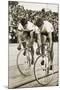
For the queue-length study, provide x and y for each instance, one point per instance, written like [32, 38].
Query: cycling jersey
[29, 26]
[47, 27]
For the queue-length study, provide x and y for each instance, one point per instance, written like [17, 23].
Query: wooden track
[18, 80]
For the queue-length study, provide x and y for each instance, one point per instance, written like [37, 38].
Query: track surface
[17, 80]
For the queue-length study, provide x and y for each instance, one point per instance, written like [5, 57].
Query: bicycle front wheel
[41, 71]
[23, 62]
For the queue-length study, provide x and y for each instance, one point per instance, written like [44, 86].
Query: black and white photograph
[33, 38]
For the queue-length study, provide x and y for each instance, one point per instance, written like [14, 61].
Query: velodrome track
[16, 80]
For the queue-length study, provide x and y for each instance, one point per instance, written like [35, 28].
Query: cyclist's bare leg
[51, 50]
[19, 34]
[32, 49]
[38, 44]
[25, 43]
[32, 53]
[51, 58]
[43, 41]
[19, 40]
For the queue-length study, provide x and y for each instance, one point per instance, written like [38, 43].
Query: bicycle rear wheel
[24, 62]
[41, 72]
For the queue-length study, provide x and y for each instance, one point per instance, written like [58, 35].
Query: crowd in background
[16, 12]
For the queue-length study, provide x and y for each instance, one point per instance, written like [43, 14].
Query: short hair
[39, 22]
[23, 21]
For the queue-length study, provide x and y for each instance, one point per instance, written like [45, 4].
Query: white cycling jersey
[47, 27]
[29, 26]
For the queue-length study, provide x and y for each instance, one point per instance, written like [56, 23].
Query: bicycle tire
[37, 78]
[18, 66]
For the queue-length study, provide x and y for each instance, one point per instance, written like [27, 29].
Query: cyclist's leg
[51, 58]
[51, 50]
[32, 49]
[43, 41]
[25, 37]
[31, 35]
[32, 54]
[19, 39]
[38, 36]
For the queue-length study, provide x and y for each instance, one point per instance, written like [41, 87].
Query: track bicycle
[41, 70]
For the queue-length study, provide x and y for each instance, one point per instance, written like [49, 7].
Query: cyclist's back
[47, 27]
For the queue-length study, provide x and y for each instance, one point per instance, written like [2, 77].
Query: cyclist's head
[23, 21]
[39, 22]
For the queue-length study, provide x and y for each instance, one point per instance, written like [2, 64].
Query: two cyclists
[41, 31]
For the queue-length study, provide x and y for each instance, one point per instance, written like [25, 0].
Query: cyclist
[28, 29]
[46, 30]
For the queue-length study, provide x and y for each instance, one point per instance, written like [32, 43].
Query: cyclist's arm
[39, 38]
[31, 34]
